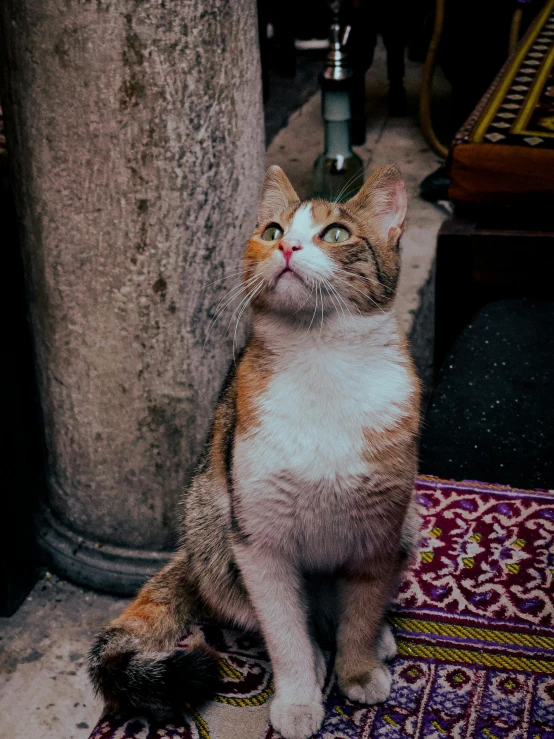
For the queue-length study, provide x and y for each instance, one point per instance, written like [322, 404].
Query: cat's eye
[272, 232]
[335, 234]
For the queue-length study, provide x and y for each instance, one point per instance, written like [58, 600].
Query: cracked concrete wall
[135, 132]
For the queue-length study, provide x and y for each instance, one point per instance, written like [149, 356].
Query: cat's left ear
[277, 194]
[383, 202]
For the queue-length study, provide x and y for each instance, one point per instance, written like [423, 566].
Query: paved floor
[287, 95]
[44, 690]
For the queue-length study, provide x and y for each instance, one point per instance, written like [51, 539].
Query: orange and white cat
[302, 509]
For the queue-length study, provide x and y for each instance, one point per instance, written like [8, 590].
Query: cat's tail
[134, 663]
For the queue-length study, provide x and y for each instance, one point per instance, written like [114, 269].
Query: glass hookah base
[337, 179]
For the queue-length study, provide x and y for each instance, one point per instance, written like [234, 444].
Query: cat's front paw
[386, 644]
[373, 688]
[296, 720]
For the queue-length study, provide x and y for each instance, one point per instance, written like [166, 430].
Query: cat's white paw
[375, 688]
[320, 667]
[296, 720]
[386, 644]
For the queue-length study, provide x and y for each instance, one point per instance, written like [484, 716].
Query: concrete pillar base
[88, 562]
[135, 132]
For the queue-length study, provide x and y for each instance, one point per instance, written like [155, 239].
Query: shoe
[435, 186]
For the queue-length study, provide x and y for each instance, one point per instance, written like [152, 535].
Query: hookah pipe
[337, 67]
[338, 172]
[425, 93]
[426, 122]
[344, 14]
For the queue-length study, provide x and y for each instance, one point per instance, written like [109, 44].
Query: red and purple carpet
[475, 630]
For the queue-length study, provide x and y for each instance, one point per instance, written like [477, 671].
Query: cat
[302, 509]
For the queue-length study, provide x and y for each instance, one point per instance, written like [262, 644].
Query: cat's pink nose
[288, 249]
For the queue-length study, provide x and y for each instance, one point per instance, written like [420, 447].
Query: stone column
[135, 133]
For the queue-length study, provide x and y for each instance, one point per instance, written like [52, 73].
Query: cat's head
[333, 256]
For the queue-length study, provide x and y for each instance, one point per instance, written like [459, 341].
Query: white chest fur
[299, 463]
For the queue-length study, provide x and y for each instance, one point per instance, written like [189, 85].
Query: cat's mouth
[288, 271]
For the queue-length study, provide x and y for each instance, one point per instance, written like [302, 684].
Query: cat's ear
[383, 201]
[277, 194]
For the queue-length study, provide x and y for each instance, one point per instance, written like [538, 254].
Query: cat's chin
[288, 294]
[298, 313]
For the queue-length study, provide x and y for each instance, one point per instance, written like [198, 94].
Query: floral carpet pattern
[474, 621]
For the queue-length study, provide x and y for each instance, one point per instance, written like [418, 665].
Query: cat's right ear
[383, 201]
[277, 194]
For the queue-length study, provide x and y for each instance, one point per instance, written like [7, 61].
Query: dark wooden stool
[490, 415]
[478, 262]
[500, 242]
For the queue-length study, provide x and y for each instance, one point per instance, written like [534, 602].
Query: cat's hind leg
[134, 663]
[363, 596]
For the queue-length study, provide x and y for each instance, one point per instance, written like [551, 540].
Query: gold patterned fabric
[505, 151]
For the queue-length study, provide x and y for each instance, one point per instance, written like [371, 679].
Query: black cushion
[491, 415]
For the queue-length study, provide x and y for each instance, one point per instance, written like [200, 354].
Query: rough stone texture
[136, 135]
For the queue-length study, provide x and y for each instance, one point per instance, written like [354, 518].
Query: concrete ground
[44, 691]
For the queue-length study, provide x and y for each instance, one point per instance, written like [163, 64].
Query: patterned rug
[475, 629]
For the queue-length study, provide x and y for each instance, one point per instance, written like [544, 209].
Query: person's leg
[363, 39]
[392, 27]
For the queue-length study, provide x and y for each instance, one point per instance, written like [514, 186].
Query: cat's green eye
[272, 232]
[336, 234]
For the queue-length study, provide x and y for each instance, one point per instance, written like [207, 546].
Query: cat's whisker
[334, 298]
[352, 191]
[234, 292]
[350, 181]
[343, 271]
[239, 306]
[304, 303]
[315, 308]
[226, 301]
[336, 305]
[347, 306]
[368, 279]
[328, 289]
[250, 299]
[237, 289]
[367, 297]
[222, 279]
[321, 324]
[342, 303]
